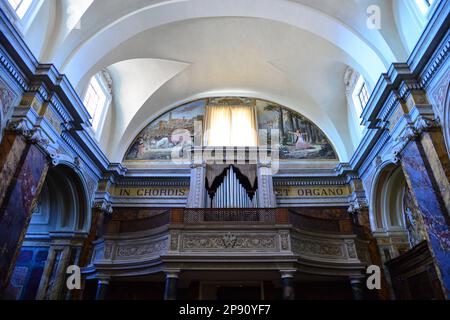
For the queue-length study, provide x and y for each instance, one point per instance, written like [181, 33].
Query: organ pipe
[231, 193]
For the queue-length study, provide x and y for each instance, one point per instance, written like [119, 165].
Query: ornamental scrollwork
[229, 241]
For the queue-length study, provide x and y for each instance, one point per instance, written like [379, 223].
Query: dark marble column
[428, 197]
[287, 279]
[100, 216]
[11, 152]
[16, 209]
[357, 288]
[171, 288]
[102, 289]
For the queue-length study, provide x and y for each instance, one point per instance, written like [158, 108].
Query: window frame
[361, 86]
[22, 23]
[101, 116]
[419, 14]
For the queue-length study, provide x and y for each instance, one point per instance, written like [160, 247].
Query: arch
[294, 14]
[137, 125]
[388, 191]
[63, 206]
[446, 124]
[147, 138]
[410, 22]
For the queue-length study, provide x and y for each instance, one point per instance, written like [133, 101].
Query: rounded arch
[410, 22]
[294, 14]
[138, 130]
[446, 124]
[63, 206]
[387, 199]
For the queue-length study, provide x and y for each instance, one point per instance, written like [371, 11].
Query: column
[357, 285]
[420, 150]
[102, 288]
[12, 149]
[360, 213]
[17, 206]
[170, 291]
[287, 279]
[429, 200]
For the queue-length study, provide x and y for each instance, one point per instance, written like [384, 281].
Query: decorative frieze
[136, 251]
[229, 241]
[324, 249]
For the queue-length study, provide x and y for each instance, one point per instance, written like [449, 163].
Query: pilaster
[266, 191]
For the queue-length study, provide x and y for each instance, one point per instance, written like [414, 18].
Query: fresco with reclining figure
[158, 139]
[299, 137]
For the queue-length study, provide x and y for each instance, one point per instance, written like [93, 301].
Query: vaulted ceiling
[163, 53]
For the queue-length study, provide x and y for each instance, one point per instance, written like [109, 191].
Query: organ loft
[191, 150]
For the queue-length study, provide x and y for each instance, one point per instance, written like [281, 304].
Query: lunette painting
[299, 137]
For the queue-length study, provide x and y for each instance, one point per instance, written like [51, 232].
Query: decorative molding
[136, 251]
[229, 241]
[325, 249]
[357, 205]
[104, 206]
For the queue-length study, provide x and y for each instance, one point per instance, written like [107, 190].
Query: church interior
[225, 150]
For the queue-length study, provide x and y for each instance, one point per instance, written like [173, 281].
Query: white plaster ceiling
[163, 53]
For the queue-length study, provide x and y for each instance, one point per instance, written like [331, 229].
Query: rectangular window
[363, 96]
[20, 6]
[95, 101]
[231, 126]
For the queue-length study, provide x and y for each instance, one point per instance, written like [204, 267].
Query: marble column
[101, 214]
[11, 151]
[54, 275]
[428, 197]
[357, 285]
[16, 210]
[102, 288]
[287, 279]
[360, 212]
[171, 287]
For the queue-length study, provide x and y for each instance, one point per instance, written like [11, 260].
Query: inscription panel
[312, 192]
[153, 192]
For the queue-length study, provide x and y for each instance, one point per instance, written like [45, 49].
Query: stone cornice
[399, 82]
[53, 87]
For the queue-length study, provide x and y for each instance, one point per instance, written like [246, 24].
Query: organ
[231, 193]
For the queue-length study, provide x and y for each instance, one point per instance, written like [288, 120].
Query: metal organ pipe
[232, 194]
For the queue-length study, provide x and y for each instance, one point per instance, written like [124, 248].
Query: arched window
[97, 99]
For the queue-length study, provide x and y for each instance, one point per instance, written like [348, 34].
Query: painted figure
[300, 142]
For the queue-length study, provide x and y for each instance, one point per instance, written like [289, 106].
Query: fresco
[158, 139]
[299, 137]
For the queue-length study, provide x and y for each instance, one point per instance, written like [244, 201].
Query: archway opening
[54, 238]
[395, 215]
